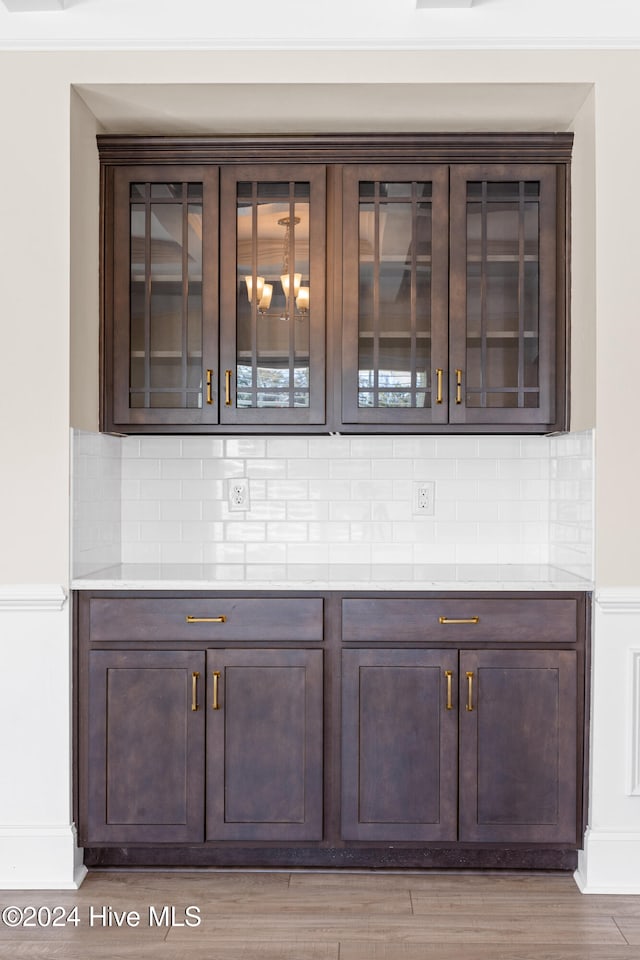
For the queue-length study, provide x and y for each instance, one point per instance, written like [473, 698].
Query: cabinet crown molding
[117, 149]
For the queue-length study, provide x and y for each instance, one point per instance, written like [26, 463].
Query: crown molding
[33, 6]
[329, 44]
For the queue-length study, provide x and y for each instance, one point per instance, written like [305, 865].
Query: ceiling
[323, 24]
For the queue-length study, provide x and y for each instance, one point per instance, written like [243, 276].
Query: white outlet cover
[238, 494]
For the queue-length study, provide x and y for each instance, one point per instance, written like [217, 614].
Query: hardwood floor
[326, 916]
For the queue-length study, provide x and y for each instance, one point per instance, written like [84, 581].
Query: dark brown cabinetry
[518, 738]
[264, 745]
[202, 742]
[331, 729]
[145, 780]
[313, 291]
[492, 733]
[399, 741]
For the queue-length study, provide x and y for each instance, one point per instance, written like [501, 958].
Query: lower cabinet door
[518, 746]
[400, 742]
[145, 747]
[264, 745]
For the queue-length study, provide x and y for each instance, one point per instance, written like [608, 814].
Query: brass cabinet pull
[458, 386]
[449, 675]
[469, 690]
[209, 389]
[439, 373]
[222, 619]
[227, 388]
[216, 680]
[194, 690]
[463, 620]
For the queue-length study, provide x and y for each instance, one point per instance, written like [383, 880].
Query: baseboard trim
[40, 858]
[609, 863]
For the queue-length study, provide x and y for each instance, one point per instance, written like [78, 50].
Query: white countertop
[374, 577]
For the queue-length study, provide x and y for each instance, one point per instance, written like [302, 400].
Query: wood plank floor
[327, 916]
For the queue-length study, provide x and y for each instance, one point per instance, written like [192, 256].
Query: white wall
[35, 297]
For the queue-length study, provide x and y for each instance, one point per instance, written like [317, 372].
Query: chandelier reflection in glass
[264, 290]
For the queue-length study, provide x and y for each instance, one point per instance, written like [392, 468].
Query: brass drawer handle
[449, 675]
[209, 390]
[227, 388]
[470, 690]
[454, 620]
[439, 373]
[216, 680]
[194, 690]
[205, 619]
[458, 386]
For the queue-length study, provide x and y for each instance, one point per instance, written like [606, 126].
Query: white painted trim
[329, 44]
[29, 6]
[40, 858]
[634, 725]
[618, 599]
[441, 4]
[609, 863]
[32, 596]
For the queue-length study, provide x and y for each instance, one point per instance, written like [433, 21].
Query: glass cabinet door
[503, 294]
[395, 294]
[273, 295]
[165, 309]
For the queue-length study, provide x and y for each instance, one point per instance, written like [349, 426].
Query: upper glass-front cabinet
[272, 276]
[165, 295]
[395, 294]
[502, 294]
[409, 283]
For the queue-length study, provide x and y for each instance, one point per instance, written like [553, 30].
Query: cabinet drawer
[505, 620]
[206, 618]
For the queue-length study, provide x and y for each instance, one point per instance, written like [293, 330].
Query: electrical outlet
[424, 498]
[238, 495]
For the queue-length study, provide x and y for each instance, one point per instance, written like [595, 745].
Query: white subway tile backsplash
[308, 553]
[329, 490]
[414, 448]
[308, 469]
[284, 489]
[243, 447]
[434, 469]
[460, 448]
[287, 531]
[308, 510]
[188, 511]
[388, 469]
[266, 553]
[323, 502]
[477, 469]
[475, 510]
[203, 448]
[287, 448]
[350, 510]
[371, 448]
[182, 469]
[179, 552]
[245, 531]
[196, 490]
[329, 447]
[350, 469]
[356, 553]
[160, 447]
[227, 553]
